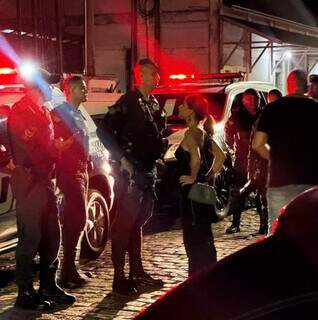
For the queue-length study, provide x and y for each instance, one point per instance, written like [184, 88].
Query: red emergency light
[227, 76]
[7, 71]
[181, 76]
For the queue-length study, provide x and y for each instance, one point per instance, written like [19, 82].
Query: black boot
[121, 285]
[57, 294]
[49, 290]
[263, 227]
[70, 276]
[235, 226]
[137, 274]
[141, 279]
[30, 300]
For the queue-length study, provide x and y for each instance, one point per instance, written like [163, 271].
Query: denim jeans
[278, 197]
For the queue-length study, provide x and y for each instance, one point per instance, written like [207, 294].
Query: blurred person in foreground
[275, 278]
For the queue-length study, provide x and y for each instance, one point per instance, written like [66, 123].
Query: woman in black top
[199, 158]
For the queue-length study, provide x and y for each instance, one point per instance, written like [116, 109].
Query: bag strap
[203, 152]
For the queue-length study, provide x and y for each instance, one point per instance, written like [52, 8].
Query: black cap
[147, 61]
[313, 78]
[49, 77]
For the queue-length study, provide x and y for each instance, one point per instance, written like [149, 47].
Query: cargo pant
[38, 226]
[134, 208]
[74, 186]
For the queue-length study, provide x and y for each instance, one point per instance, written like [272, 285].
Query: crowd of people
[273, 143]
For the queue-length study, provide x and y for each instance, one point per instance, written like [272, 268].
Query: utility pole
[19, 25]
[133, 37]
[214, 46]
[247, 53]
[157, 32]
[89, 38]
[59, 36]
[35, 29]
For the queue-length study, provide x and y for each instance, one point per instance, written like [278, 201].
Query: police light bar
[7, 71]
[226, 76]
[222, 76]
[181, 76]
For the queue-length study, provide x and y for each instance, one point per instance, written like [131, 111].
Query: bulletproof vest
[141, 134]
[32, 150]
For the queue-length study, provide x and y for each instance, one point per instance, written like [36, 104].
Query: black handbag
[202, 193]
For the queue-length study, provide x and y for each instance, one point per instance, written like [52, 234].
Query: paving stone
[164, 257]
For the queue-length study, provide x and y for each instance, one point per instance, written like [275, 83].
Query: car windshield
[171, 102]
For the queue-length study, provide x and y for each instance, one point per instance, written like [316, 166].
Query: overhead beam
[166, 17]
[233, 50]
[260, 55]
[268, 20]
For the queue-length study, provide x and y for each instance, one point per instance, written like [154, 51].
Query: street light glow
[288, 54]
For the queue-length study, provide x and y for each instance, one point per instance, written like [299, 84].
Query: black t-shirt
[291, 124]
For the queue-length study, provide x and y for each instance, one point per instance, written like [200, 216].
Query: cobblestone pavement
[165, 258]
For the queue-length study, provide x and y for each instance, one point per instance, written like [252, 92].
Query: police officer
[33, 149]
[72, 176]
[238, 130]
[131, 131]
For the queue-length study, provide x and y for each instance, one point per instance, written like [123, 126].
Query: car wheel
[222, 187]
[97, 227]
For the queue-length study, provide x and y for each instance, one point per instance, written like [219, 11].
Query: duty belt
[37, 171]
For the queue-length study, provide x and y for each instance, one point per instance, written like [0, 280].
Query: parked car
[100, 195]
[221, 91]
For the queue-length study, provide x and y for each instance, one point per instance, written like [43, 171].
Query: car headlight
[169, 155]
[219, 127]
[107, 167]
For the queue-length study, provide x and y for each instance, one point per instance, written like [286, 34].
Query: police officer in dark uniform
[72, 176]
[238, 130]
[34, 152]
[131, 131]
